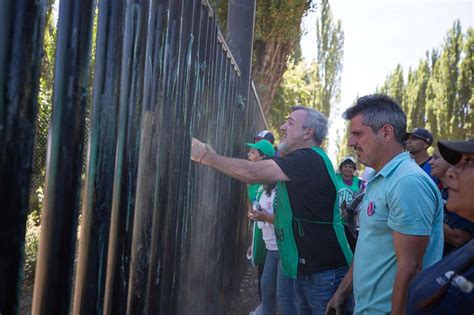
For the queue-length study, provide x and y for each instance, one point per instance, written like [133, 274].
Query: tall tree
[330, 50]
[415, 95]
[444, 84]
[438, 93]
[465, 96]
[276, 37]
[277, 34]
[300, 85]
[394, 86]
[433, 96]
[452, 52]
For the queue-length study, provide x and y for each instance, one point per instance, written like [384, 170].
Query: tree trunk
[270, 65]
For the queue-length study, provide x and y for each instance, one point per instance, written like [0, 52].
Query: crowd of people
[385, 258]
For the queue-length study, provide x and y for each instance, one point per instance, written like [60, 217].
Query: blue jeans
[276, 287]
[313, 291]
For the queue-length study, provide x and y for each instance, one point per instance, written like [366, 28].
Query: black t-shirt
[312, 195]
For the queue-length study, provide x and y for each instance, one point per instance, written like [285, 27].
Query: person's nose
[351, 141]
[452, 172]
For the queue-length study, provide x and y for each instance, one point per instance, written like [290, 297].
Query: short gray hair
[315, 120]
[378, 110]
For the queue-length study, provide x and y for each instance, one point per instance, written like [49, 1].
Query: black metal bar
[61, 204]
[126, 157]
[97, 197]
[21, 45]
[157, 235]
[139, 298]
[240, 25]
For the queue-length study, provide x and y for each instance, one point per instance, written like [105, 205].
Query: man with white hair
[308, 225]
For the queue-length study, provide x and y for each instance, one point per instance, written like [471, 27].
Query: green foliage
[316, 85]
[330, 50]
[31, 249]
[465, 96]
[342, 138]
[274, 20]
[300, 85]
[415, 95]
[438, 93]
[279, 20]
[394, 86]
[44, 113]
[42, 124]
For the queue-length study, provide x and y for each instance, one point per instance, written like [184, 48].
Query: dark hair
[347, 162]
[268, 188]
[378, 110]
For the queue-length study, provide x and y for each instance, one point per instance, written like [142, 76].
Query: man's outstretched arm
[266, 171]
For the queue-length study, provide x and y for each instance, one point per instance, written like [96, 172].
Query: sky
[378, 35]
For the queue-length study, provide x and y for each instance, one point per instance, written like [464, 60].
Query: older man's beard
[283, 146]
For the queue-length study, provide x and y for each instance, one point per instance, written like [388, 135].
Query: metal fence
[157, 234]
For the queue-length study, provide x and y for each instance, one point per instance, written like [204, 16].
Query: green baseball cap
[264, 146]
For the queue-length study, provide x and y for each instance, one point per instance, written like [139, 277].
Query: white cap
[350, 158]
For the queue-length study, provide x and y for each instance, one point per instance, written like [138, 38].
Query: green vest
[346, 193]
[284, 221]
[259, 251]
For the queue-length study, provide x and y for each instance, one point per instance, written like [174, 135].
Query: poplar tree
[330, 51]
[394, 86]
[438, 93]
[450, 73]
[433, 86]
[465, 98]
[300, 85]
[415, 95]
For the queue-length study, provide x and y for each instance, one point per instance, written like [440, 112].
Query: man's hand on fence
[199, 150]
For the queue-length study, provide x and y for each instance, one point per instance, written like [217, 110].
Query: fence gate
[140, 230]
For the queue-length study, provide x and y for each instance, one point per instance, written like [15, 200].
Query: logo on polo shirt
[371, 209]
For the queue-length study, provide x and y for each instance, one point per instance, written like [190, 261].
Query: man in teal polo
[401, 215]
[309, 229]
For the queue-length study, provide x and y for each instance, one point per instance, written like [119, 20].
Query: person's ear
[388, 132]
[309, 132]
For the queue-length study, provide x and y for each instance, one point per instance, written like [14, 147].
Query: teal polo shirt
[402, 198]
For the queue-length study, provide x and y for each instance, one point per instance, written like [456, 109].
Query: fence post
[240, 25]
[92, 258]
[54, 268]
[21, 47]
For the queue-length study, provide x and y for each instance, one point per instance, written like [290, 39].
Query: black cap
[265, 134]
[422, 134]
[452, 151]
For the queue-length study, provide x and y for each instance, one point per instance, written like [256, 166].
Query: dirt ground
[248, 298]
[246, 301]
[26, 300]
